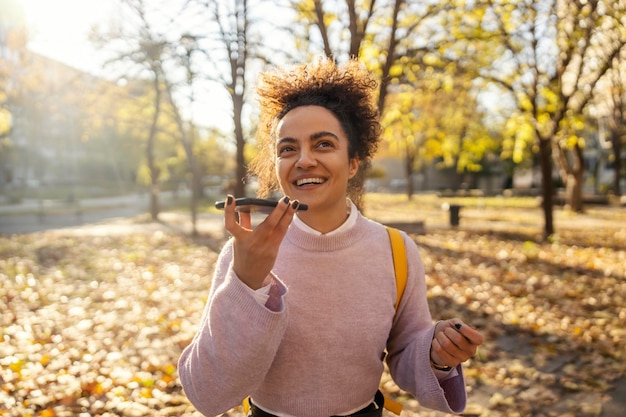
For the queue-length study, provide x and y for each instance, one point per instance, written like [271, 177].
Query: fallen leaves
[94, 325]
[554, 315]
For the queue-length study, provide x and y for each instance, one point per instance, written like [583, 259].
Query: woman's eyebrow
[285, 140]
[314, 136]
[324, 133]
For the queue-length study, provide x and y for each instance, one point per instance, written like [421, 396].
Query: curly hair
[347, 90]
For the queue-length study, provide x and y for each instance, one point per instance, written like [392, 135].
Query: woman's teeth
[306, 181]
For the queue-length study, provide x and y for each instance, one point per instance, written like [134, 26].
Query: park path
[33, 215]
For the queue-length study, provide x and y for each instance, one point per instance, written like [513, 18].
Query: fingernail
[458, 326]
[295, 204]
[229, 200]
[286, 200]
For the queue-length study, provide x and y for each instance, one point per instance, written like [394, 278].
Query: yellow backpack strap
[245, 405]
[399, 262]
[401, 270]
[393, 406]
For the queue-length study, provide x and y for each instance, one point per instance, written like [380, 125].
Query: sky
[59, 29]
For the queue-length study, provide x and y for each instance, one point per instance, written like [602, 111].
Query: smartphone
[255, 205]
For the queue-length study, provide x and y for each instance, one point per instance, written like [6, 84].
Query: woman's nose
[306, 159]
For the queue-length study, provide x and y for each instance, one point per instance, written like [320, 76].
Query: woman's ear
[353, 167]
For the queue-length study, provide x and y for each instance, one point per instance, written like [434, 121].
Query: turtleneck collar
[349, 233]
[353, 213]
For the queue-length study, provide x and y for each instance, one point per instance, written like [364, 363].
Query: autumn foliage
[93, 325]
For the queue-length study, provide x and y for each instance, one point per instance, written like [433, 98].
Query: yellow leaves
[430, 59]
[553, 313]
[573, 140]
[48, 412]
[525, 104]
[519, 135]
[497, 399]
[438, 121]
[551, 100]
[561, 306]
[144, 379]
[90, 342]
[544, 119]
[92, 388]
[396, 70]
[6, 121]
[146, 392]
[448, 84]
[16, 365]
[531, 250]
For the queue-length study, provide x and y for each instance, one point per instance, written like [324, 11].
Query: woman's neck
[325, 221]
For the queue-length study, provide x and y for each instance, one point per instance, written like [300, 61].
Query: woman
[301, 314]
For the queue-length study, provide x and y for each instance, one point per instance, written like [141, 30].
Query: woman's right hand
[255, 250]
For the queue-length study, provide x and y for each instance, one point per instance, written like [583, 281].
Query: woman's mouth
[309, 181]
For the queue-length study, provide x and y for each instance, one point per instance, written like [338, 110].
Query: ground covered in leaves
[93, 324]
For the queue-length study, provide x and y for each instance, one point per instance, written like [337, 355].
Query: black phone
[255, 205]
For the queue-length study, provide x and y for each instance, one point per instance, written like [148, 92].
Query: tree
[147, 50]
[590, 38]
[13, 39]
[616, 103]
[182, 57]
[149, 54]
[6, 122]
[438, 119]
[553, 54]
[187, 129]
[5, 112]
[382, 35]
[113, 151]
[227, 46]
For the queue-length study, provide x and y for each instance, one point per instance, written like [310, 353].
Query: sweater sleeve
[235, 344]
[409, 346]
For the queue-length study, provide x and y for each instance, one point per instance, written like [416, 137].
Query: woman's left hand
[454, 342]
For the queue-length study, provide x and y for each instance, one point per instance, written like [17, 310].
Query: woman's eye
[285, 149]
[324, 144]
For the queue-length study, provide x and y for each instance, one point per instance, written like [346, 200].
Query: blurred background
[122, 121]
[156, 98]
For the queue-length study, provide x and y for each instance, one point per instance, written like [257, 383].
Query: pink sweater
[315, 348]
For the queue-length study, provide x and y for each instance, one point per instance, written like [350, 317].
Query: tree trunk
[616, 144]
[195, 184]
[195, 191]
[409, 174]
[240, 174]
[154, 196]
[187, 139]
[545, 160]
[574, 182]
[196, 181]
[154, 170]
[573, 192]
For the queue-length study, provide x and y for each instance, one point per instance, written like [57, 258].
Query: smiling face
[312, 162]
